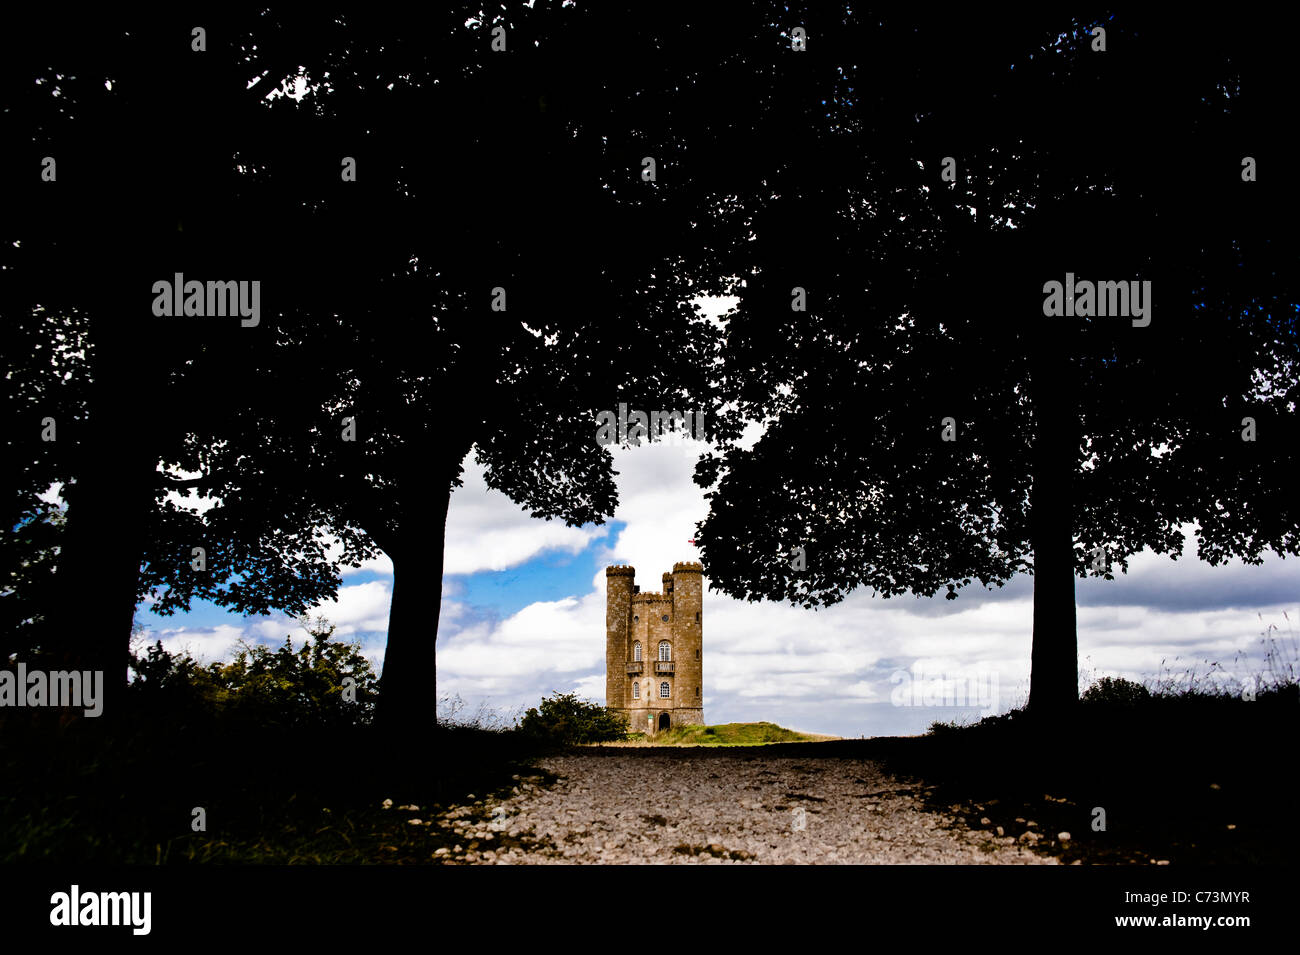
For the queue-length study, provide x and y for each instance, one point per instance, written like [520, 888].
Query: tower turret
[618, 600]
[688, 643]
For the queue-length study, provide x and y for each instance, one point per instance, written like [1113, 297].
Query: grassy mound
[725, 734]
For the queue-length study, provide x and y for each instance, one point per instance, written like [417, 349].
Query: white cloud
[204, 644]
[359, 608]
[488, 531]
[381, 564]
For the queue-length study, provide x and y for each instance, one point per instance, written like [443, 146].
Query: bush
[323, 684]
[1115, 691]
[565, 719]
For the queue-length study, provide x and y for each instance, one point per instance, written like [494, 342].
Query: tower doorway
[663, 721]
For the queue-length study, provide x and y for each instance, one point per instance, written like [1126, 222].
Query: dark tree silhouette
[505, 273]
[133, 395]
[1075, 437]
[477, 170]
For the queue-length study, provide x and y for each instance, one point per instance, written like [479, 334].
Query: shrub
[565, 719]
[322, 684]
[1115, 691]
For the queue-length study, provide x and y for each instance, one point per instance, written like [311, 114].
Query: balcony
[635, 668]
[663, 666]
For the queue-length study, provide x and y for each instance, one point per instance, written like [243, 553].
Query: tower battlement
[650, 597]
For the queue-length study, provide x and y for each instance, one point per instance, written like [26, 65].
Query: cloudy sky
[523, 615]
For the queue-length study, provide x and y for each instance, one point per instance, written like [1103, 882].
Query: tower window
[663, 690]
[697, 654]
[636, 652]
[665, 652]
[697, 616]
[665, 618]
[697, 691]
[636, 691]
[636, 618]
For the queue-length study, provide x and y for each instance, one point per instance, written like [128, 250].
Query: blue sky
[523, 615]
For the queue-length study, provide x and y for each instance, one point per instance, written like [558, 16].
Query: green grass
[724, 734]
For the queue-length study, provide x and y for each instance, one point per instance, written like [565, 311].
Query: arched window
[636, 618]
[636, 691]
[636, 651]
[665, 651]
[663, 690]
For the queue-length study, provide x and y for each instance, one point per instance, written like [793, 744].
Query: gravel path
[627, 807]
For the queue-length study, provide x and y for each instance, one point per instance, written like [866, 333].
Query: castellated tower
[653, 666]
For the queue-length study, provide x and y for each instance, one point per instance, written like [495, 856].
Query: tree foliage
[1074, 437]
[135, 397]
[379, 293]
[324, 684]
[1115, 691]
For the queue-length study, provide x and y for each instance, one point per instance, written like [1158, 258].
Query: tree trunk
[408, 691]
[1054, 677]
[98, 566]
[1055, 663]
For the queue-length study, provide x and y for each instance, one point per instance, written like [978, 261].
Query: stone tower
[653, 666]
